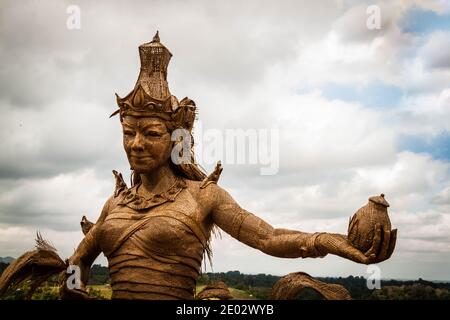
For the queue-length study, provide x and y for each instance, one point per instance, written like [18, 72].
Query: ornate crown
[151, 96]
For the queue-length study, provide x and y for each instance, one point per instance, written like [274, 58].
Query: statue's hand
[65, 293]
[72, 294]
[382, 246]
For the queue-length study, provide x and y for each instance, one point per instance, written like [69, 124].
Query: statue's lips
[141, 158]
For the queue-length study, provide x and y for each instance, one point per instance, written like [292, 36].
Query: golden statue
[155, 233]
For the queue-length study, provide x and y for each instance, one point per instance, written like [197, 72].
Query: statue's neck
[159, 180]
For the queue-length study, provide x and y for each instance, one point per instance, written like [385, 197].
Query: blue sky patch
[374, 95]
[421, 21]
[438, 148]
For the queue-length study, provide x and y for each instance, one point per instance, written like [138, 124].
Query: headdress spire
[156, 37]
[151, 95]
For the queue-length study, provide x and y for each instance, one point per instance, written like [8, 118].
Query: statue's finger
[371, 258]
[382, 255]
[392, 243]
[358, 256]
[376, 241]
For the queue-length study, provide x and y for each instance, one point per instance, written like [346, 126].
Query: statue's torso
[156, 252]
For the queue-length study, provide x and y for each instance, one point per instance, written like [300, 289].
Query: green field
[103, 291]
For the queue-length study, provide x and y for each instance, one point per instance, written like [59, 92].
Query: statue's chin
[140, 170]
[144, 165]
[147, 168]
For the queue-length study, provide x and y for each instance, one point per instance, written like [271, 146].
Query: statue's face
[147, 143]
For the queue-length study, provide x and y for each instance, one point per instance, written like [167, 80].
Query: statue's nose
[137, 143]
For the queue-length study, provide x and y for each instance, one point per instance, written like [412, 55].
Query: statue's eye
[129, 133]
[153, 134]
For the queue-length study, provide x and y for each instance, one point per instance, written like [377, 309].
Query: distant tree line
[3, 266]
[260, 286]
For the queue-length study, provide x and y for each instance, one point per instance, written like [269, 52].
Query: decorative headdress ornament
[151, 96]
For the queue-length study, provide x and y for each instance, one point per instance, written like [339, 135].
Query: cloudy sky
[359, 112]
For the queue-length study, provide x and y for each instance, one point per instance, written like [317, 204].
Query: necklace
[133, 200]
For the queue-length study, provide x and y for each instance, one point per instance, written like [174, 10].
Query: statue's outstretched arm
[255, 232]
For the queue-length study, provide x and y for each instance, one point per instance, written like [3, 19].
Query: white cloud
[427, 115]
[63, 135]
[352, 25]
[435, 51]
[57, 203]
[443, 197]
[321, 133]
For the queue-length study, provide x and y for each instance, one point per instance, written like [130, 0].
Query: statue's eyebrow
[156, 126]
[153, 126]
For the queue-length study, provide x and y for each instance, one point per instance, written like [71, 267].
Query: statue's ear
[189, 117]
[185, 115]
